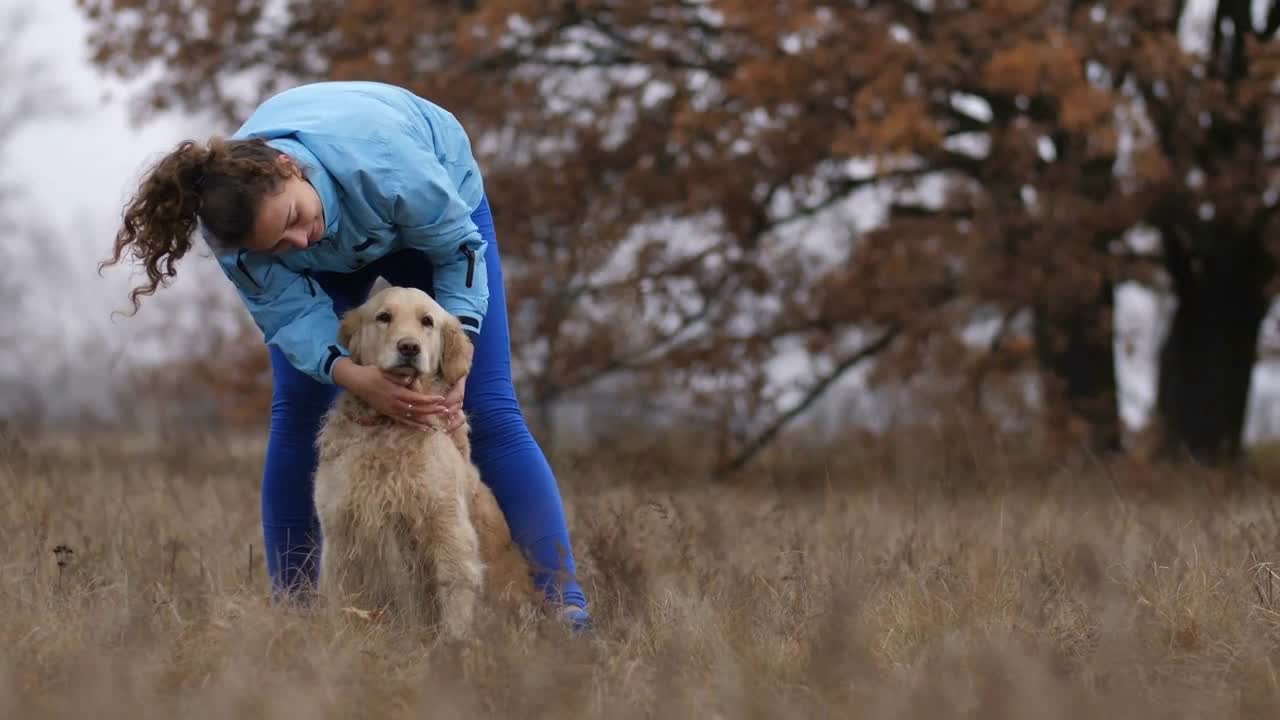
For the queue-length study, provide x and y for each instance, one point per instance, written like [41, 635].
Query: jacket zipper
[310, 285]
[471, 264]
[245, 268]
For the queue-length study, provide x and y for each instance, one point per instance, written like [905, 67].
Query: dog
[404, 517]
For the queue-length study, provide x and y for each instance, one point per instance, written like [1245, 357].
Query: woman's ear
[349, 333]
[455, 351]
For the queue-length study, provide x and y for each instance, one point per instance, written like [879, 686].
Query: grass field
[894, 583]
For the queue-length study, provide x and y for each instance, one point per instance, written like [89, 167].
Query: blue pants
[510, 461]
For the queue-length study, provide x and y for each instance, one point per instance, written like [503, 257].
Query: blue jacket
[394, 172]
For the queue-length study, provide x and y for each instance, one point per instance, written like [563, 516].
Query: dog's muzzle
[408, 355]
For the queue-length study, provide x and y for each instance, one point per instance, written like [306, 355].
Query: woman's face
[290, 219]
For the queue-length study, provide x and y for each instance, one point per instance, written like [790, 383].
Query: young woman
[324, 188]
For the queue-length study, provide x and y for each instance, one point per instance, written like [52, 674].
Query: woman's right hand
[385, 394]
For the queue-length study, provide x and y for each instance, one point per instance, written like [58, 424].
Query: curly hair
[220, 185]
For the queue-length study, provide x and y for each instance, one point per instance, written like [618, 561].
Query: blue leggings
[510, 461]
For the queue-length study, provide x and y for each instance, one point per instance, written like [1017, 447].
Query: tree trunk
[1075, 347]
[1206, 363]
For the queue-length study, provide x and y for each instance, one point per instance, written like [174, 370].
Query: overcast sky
[93, 153]
[77, 171]
[80, 170]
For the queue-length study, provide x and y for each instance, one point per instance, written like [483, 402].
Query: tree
[1212, 119]
[662, 190]
[676, 183]
[1002, 105]
[1065, 85]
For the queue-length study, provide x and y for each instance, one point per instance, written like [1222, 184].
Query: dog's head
[404, 330]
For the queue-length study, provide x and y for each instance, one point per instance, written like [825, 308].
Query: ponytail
[219, 184]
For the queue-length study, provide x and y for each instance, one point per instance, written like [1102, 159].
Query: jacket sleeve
[421, 191]
[293, 312]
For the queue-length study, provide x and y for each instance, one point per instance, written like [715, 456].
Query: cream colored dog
[406, 523]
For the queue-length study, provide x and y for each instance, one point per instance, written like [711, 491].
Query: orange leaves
[767, 21]
[482, 28]
[905, 126]
[766, 80]
[1083, 107]
[1033, 65]
[890, 117]
[1160, 56]
[1015, 70]
[1010, 11]
[1152, 167]
[1259, 86]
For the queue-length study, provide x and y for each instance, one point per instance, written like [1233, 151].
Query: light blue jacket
[393, 171]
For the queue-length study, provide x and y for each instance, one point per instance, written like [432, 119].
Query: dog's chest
[390, 467]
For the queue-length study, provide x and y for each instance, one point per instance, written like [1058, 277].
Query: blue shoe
[577, 618]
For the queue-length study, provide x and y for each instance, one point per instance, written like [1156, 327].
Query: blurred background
[747, 223]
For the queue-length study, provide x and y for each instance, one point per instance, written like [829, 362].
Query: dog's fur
[406, 523]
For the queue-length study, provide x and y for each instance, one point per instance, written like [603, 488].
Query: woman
[325, 187]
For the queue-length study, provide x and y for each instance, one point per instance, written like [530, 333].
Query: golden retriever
[406, 523]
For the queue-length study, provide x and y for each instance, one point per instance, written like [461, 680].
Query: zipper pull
[470, 254]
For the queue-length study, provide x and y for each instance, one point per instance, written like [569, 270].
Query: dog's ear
[349, 332]
[455, 351]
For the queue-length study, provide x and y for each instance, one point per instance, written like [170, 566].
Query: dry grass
[895, 585]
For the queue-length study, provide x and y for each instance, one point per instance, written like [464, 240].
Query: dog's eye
[383, 317]
[428, 321]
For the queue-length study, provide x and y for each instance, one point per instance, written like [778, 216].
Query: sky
[97, 147]
[77, 170]
[80, 170]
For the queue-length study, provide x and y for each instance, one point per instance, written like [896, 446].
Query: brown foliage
[674, 182]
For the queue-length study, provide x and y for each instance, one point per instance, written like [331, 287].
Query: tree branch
[636, 359]
[840, 189]
[623, 55]
[1273, 21]
[1177, 260]
[751, 449]
[900, 210]
[1175, 19]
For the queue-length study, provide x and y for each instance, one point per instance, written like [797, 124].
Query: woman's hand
[386, 393]
[448, 406]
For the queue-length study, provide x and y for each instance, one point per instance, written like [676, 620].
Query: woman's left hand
[451, 401]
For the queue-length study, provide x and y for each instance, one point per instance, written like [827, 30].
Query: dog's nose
[408, 348]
